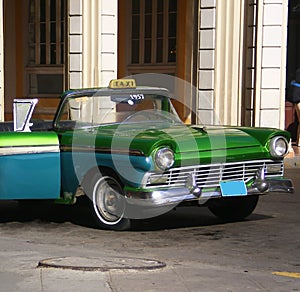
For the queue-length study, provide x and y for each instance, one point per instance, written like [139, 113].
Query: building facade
[233, 52]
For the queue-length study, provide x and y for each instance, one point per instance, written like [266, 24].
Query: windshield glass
[91, 111]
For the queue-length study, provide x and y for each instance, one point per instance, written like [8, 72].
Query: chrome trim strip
[16, 150]
[105, 150]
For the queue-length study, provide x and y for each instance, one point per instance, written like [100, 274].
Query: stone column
[92, 42]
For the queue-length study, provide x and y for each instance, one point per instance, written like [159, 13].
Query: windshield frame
[72, 94]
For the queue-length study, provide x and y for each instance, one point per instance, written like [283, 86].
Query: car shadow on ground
[185, 217]
[79, 214]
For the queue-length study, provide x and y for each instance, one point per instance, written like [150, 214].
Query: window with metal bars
[153, 32]
[46, 34]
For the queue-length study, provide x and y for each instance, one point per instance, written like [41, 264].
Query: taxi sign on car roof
[122, 83]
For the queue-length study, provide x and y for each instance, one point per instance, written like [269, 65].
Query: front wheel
[108, 202]
[234, 208]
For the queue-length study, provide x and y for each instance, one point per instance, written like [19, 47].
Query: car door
[29, 159]
[29, 165]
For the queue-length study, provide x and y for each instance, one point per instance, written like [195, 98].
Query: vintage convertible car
[125, 148]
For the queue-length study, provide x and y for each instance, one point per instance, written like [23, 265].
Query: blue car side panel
[30, 176]
[77, 164]
[69, 180]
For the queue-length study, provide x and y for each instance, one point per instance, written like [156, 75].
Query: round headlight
[164, 158]
[278, 147]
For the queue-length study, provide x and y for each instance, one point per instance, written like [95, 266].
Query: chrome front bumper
[191, 192]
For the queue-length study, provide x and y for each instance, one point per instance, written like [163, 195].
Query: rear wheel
[108, 202]
[234, 208]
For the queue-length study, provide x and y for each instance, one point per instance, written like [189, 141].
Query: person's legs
[297, 107]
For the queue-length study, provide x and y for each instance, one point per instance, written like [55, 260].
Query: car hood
[188, 142]
[194, 141]
[210, 144]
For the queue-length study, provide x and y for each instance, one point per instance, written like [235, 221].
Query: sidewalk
[293, 158]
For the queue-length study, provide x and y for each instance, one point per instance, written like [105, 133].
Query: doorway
[34, 46]
[293, 63]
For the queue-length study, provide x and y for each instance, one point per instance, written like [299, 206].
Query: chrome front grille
[209, 176]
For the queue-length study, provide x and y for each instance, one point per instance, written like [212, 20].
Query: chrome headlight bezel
[278, 147]
[164, 158]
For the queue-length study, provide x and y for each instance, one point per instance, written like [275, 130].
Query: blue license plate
[233, 188]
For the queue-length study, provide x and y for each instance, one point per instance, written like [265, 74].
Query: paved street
[197, 251]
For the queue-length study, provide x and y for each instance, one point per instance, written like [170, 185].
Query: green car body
[128, 152]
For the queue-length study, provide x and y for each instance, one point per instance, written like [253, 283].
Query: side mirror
[23, 109]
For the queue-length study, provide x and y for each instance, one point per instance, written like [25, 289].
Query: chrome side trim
[17, 150]
[104, 150]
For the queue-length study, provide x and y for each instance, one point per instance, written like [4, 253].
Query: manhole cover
[102, 263]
